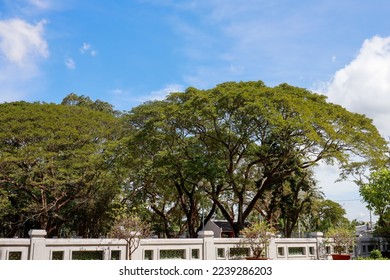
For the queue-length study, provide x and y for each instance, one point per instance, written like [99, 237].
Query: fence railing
[206, 247]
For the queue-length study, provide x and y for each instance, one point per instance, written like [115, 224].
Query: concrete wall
[206, 247]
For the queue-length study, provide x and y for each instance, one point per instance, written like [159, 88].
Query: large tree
[165, 169]
[56, 167]
[244, 139]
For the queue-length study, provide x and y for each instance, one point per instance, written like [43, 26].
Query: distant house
[221, 228]
[364, 230]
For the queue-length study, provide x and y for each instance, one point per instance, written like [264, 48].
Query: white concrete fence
[206, 247]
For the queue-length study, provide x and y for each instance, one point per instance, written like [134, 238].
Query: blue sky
[127, 52]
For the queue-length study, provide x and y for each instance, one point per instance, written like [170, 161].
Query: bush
[342, 238]
[258, 237]
[375, 254]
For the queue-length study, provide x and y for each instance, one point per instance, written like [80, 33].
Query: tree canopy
[237, 151]
[244, 139]
[56, 167]
[73, 99]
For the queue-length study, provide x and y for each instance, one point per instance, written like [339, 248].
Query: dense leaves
[377, 195]
[56, 167]
[245, 139]
[232, 152]
[324, 214]
[73, 99]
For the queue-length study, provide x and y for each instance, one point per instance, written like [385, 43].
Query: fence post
[208, 244]
[272, 249]
[38, 245]
[319, 236]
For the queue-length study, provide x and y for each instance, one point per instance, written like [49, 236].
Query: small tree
[130, 228]
[343, 239]
[258, 237]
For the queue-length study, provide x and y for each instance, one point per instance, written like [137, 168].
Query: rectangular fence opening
[296, 251]
[115, 255]
[15, 256]
[57, 255]
[172, 254]
[239, 253]
[148, 255]
[221, 253]
[195, 254]
[87, 255]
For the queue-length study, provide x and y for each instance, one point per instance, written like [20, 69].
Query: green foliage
[377, 191]
[374, 255]
[72, 168]
[130, 228]
[324, 215]
[258, 236]
[291, 200]
[245, 139]
[342, 238]
[377, 195]
[57, 167]
[73, 99]
[5, 204]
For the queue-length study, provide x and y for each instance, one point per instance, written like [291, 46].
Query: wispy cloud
[41, 4]
[122, 99]
[87, 49]
[161, 94]
[125, 99]
[70, 63]
[32, 8]
[249, 36]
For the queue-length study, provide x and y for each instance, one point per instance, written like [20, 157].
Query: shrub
[375, 254]
[258, 237]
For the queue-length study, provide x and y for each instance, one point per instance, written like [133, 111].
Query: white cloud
[125, 99]
[22, 48]
[117, 91]
[30, 8]
[70, 63]
[22, 42]
[162, 93]
[87, 49]
[363, 86]
[41, 4]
